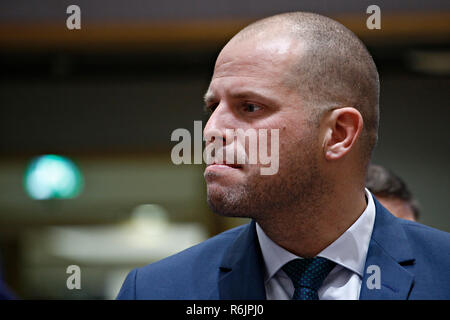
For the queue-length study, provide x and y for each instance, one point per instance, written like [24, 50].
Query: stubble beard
[298, 187]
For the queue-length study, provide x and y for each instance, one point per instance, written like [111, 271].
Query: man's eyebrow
[208, 97]
[244, 94]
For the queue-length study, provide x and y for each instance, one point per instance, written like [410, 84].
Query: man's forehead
[255, 51]
[270, 59]
[252, 69]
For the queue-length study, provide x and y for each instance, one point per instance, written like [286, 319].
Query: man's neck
[307, 231]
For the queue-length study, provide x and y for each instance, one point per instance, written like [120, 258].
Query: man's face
[249, 89]
[398, 207]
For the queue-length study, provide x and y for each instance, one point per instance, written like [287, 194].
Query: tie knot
[308, 273]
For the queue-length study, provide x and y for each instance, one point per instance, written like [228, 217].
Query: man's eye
[250, 107]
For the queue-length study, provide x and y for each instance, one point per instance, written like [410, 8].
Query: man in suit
[316, 232]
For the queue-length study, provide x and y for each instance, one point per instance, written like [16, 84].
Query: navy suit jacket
[414, 262]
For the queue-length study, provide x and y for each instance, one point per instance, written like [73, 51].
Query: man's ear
[344, 126]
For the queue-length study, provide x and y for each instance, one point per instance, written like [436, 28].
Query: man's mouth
[225, 165]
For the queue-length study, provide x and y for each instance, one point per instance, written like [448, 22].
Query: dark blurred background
[108, 97]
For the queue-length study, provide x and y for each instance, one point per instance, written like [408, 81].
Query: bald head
[312, 83]
[332, 68]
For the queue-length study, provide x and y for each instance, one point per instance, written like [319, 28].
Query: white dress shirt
[349, 253]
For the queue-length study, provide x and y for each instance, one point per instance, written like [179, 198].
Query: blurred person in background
[316, 231]
[5, 291]
[392, 192]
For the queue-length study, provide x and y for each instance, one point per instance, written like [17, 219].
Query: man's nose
[220, 120]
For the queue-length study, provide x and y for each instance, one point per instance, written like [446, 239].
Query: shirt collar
[349, 250]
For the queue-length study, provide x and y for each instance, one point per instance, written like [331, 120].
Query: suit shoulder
[189, 274]
[431, 266]
[431, 246]
[423, 232]
[211, 248]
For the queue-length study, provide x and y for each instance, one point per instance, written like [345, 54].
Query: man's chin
[224, 202]
[217, 193]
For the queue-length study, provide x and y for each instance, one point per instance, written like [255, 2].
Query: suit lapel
[241, 271]
[390, 252]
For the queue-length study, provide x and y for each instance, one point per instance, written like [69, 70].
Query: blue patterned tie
[307, 275]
